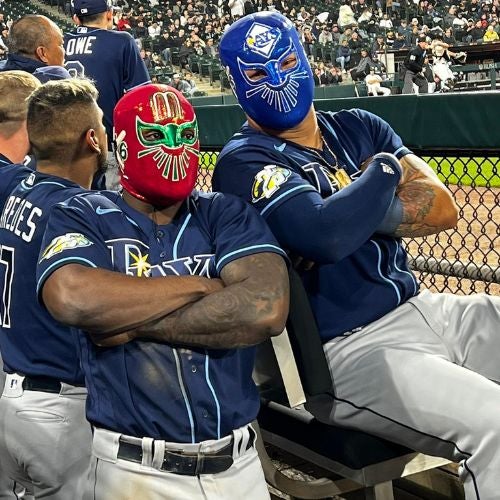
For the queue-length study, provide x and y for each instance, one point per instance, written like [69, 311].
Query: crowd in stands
[342, 40]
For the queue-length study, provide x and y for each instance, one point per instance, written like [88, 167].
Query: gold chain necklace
[341, 176]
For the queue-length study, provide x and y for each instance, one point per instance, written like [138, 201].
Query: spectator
[154, 30]
[180, 84]
[336, 34]
[365, 17]
[334, 75]
[400, 42]
[385, 23]
[210, 49]
[325, 36]
[308, 40]
[490, 34]
[412, 37]
[343, 55]
[460, 22]
[152, 440]
[165, 44]
[449, 37]
[237, 8]
[450, 16]
[403, 27]
[345, 35]
[477, 32]
[123, 23]
[390, 39]
[140, 31]
[185, 52]
[110, 58]
[146, 59]
[379, 46]
[362, 69]
[346, 17]
[355, 44]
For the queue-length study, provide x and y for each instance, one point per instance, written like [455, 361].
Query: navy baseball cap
[91, 7]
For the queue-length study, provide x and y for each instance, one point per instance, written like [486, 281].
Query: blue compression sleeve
[327, 230]
[393, 218]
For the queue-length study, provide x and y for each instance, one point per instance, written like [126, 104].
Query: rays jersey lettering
[20, 216]
[326, 181]
[80, 46]
[133, 256]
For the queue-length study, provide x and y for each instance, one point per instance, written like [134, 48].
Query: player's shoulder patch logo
[67, 241]
[262, 39]
[268, 181]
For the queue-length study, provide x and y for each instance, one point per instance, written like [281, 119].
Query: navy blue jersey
[267, 172]
[4, 160]
[111, 59]
[144, 388]
[31, 341]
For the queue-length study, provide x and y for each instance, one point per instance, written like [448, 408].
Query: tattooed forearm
[417, 199]
[427, 204]
[251, 308]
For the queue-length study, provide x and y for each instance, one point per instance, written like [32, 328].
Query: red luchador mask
[157, 144]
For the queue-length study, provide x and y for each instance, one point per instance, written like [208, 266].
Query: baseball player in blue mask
[341, 189]
[267, 51]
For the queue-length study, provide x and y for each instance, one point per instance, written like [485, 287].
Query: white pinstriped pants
[112, 478]
[426, 376]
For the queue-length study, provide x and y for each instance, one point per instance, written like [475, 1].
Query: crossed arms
[248, 305]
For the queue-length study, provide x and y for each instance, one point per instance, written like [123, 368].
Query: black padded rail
[353, 449]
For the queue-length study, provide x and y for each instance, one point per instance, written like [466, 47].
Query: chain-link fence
[462, 260]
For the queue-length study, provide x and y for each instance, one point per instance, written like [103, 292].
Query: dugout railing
[461, 260]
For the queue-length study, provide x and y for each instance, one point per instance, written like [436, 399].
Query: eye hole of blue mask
[272, 72]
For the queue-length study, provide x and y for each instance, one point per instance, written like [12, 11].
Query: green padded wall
[441, 121]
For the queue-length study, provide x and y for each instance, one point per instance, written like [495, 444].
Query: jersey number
[7, 260]
[75, 69]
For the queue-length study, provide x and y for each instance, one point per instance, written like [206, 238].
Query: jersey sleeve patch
[268, 181]
[68, 241]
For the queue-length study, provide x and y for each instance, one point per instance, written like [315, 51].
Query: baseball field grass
[467, 171]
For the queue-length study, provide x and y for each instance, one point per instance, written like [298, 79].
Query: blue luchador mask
[268, 69]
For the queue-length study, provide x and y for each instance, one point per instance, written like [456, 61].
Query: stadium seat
[361, 460]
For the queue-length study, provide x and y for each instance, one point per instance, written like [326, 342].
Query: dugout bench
[290, 370]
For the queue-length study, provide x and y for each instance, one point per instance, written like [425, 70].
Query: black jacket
[415, 59]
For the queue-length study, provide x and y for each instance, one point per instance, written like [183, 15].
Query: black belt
[186, 464]
[42, 384]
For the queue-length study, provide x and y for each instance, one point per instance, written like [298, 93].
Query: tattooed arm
[252, 307]
[428, 206]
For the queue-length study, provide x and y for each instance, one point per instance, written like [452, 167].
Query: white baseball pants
[426, 376]
[45, 441]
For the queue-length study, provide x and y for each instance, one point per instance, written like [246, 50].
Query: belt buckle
[195, 464]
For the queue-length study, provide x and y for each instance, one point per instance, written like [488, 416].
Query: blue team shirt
[267, 171]
[31, 341]
[111, 59]
[144, 388]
